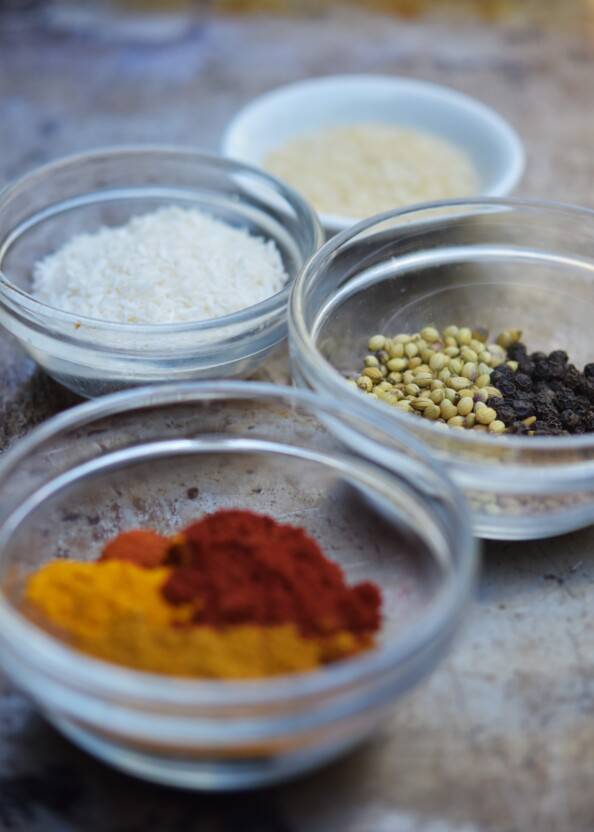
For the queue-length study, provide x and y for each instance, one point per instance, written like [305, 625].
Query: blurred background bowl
[282, 114]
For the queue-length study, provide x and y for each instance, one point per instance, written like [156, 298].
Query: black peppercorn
[506, 414]
[516, 351]
[523, 381]
[508, 388]
[522, 408]
[556, 370]
[572, 376]
[570, 419]
[548, 387]
[519, 428]
[541, 370]
[494, 402]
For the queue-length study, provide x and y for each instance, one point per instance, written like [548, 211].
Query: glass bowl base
[212, 775]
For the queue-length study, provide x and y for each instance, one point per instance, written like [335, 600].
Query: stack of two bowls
[355, 474]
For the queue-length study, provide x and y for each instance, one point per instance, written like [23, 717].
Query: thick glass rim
[299, 334]
[273, 303]
[105, 679]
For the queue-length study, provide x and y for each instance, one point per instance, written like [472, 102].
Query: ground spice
[85, 599]
[363, 168]
[116, 611]
[235, 595]
[143, 547]
[247, 568]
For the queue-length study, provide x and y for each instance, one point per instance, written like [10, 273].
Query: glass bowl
[81, 193]
[493, 263]
[163, 456]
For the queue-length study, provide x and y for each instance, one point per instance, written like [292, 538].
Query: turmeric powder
[128, 607]
[115, 611]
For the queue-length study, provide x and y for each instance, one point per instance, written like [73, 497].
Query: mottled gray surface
[502, 738]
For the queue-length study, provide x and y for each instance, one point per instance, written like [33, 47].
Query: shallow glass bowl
[160, 458]
[107, 187]
[493, 263]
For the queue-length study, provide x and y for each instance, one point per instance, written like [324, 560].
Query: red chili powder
[143, 547]
[245, 568]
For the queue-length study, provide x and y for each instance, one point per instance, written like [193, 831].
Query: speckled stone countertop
[502, 736]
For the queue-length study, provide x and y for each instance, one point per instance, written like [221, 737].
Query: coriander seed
[469, 371]
[421, 403]
[376, 342]
[486, 415]
[373, 373]
[509, 337]
[438, 361]
[448, 409]
[465, 405]
[432, 412]
[430, 334]
[466, 354]
[459, 382]
[464, 335]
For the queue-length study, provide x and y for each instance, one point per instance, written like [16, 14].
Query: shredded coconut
[358, 170]
[174, 264]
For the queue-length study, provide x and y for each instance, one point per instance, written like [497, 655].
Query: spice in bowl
[361, 169]
[456, 377]
[168, 266]
[235, 595]
[544, 395]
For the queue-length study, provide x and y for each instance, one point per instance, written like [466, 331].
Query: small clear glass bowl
[161, 457]
[493, 263]
[81, 193]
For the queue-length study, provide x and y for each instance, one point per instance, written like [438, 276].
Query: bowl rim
[31, 305]
[334, 381]
[55, 656]
[507, 137]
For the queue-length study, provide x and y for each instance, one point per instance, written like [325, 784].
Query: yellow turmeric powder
[116, 611]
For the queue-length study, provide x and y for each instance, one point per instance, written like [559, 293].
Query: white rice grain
[172, 265]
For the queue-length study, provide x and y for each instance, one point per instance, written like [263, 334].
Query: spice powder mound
[234, 595]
